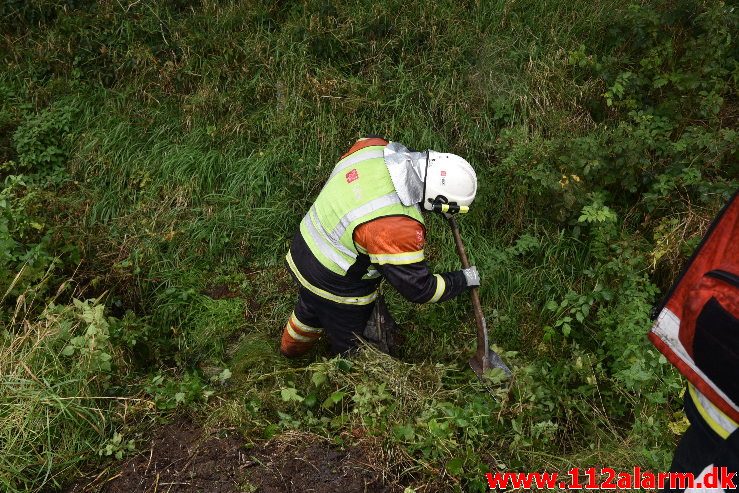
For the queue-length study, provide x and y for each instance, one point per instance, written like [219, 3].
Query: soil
[182, 457]
[302, 463]
[221, 291]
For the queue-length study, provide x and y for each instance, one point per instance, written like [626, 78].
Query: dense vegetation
[156, 158]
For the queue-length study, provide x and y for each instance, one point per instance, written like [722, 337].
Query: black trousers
[341, 322]
[700, 447]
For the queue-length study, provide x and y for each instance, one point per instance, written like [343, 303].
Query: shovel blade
[481, 363]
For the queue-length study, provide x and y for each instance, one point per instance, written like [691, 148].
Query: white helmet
[449, 178]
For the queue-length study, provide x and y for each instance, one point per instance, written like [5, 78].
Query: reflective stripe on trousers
[345, 300]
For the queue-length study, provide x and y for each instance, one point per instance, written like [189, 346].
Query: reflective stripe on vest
[359, 190]
[704, 358]
[718, 421]
[665, 334]
[362, 210]
[327, 247]
[372, 152]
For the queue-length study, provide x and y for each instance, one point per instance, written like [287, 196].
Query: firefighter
[697, 329]
[366, 224]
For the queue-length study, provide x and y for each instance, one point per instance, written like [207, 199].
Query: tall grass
[214, 158]
[55, 413]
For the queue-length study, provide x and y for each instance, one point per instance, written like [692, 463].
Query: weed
[54, 403]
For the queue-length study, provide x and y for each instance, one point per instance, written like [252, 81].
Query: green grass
[54, 411]
[200, 134]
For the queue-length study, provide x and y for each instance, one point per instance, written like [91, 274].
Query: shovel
[484, 358]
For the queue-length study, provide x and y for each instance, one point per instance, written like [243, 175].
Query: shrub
[42, 140]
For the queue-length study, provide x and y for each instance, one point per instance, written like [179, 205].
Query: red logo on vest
[352, 175]
[443, 173]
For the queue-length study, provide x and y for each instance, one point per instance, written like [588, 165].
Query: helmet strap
[441, 204]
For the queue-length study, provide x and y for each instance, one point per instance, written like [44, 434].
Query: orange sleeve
[365, 142]
[394, 245]
[391, 240]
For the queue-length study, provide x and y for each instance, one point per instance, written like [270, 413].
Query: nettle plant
[117, 447]
[42, 141]
[93, 345]
[170, 391]
[573, 310]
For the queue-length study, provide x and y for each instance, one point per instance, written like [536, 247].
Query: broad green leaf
[454, 466]
[404, 432]
[318, 378]
[225, 375]
[310, 400]
[290, 394]
[343, 365]
[333, 399]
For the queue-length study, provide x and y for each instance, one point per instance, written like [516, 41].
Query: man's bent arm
[416, 283]
[395, 246]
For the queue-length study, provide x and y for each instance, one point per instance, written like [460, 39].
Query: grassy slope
[202, 134]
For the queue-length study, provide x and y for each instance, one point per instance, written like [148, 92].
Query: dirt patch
[182, 458]
[303, 463]
[221, 291]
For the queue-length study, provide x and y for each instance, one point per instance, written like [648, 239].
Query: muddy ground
[301, 463]
[182, 457]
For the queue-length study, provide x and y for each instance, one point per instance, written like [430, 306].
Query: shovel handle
[482, 345]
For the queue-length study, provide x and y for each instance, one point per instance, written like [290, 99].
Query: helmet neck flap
[407, 170]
